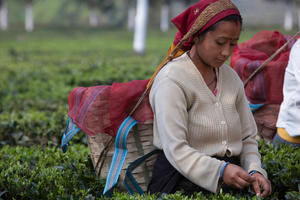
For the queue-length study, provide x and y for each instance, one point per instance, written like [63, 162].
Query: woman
[202, 121]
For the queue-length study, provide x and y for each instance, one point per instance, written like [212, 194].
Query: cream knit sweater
[191, 124]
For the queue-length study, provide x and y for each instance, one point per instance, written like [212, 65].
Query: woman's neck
[206, 71]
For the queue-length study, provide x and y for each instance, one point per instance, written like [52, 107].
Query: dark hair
[229, 18]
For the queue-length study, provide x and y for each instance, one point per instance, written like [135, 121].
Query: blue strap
[130, 183]
[255, 107]
[70, 131]
[253, 172]
[222, 170]
[119, 155]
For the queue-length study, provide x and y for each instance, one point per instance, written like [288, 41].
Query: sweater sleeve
[169, 105]
[250, 157]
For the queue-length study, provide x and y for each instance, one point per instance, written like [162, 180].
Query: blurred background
[119, 13]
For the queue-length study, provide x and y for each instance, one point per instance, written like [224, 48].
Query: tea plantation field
[37, 72]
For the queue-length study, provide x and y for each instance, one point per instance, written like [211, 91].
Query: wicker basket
[139, 143]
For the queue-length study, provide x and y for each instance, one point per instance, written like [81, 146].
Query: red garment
[101, 109]
[266, 86]
[186, 19]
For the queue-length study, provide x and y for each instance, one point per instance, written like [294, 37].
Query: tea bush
[46, 173]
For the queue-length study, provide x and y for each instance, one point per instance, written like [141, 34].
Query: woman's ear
[196, 39]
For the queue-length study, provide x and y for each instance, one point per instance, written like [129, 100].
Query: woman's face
[216, 46]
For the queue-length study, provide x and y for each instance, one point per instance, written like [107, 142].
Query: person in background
[288, 122]
[202, 121]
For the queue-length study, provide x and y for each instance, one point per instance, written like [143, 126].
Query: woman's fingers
[241, 183]
[235, 176]
[256, 188]
[264, 183]
[267, 189]
[247, 177]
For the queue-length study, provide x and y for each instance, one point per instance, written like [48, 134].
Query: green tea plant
[38, 172]
[283, 165]
[47, 173]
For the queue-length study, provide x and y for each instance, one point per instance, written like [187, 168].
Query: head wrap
[199, 17]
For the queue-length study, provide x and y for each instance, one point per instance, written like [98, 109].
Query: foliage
[283, 164]
[46, 173]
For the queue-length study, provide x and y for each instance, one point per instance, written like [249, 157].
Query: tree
[164, 16]
[131, 15]
[141, 20]
[93, 6]
[288, 18]
[93, 17]
[29, 18]
[3, 15]
[298, 7]
[105, 7]
[29, 21]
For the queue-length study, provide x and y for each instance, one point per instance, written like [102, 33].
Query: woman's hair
[230, 18]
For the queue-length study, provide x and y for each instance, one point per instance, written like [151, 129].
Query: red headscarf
[186, 19]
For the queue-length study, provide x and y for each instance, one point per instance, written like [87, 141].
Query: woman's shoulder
[178, 69]
[229, 75]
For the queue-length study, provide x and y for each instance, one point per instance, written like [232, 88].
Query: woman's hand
[236, 177]
[261, 182]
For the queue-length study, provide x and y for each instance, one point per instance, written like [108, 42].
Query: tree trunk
[93, 17]
[131, 17]
[3, 15]
[29, 25]
[288, 19]
[140, 26]
[298, 17]
[164, 17]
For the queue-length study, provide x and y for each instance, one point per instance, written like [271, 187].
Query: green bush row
[46, 173]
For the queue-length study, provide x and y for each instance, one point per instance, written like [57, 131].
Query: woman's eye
[220, 43]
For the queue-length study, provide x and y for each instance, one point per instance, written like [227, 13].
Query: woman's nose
[226, 51]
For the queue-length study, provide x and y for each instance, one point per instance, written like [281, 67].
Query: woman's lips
[220, 60]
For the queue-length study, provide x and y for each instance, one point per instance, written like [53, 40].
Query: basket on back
[100, 112]
[139, 143]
